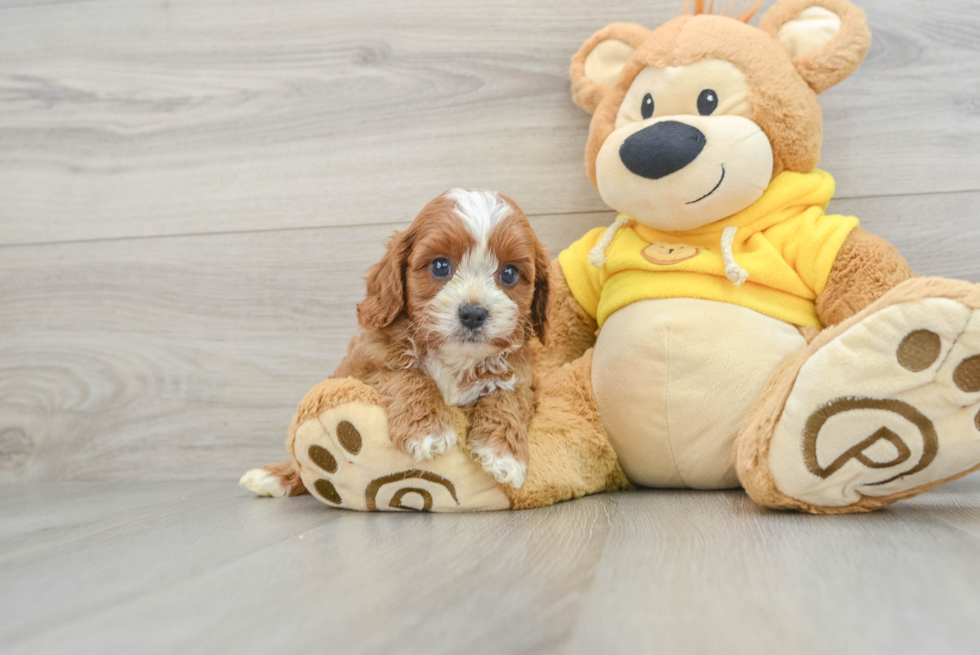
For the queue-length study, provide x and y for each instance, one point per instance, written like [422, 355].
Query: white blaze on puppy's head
[480, 210]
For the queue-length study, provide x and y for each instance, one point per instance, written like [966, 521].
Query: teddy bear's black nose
[661, 149]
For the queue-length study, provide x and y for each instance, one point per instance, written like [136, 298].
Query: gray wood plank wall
[190, 192]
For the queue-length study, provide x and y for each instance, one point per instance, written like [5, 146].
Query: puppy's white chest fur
[464, 380]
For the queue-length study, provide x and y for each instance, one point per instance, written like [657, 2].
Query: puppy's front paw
[504, 467]
[431, 445]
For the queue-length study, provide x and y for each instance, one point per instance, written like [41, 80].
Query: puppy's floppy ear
[539, 303]
[386, 284]
[826, 39]
[600, 60]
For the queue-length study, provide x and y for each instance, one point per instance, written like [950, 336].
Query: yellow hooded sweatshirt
[784, 240]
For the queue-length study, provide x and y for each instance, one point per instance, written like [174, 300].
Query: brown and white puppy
[449, 312]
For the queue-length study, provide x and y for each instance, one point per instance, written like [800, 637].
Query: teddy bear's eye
[707, 102]
[646, 107]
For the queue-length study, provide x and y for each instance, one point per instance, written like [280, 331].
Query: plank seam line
[298, 228]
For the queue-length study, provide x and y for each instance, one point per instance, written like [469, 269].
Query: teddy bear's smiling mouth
[722, 179]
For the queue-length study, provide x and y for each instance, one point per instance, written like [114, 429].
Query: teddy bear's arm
[866, 268]
[571, 331]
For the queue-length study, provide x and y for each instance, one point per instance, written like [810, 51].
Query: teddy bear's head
[692, 120]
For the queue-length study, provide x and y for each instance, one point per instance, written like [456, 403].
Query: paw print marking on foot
[323, 449]
[967, 375]
[888, 405]
[349, 437]
[919, 350]
[859, 451]
[322, 458]
[376, 486]
[347, 460]
[326, 490]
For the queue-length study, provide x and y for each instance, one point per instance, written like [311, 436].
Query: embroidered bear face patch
[666, 254]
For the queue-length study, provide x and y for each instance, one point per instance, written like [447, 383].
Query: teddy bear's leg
[570, 453]
[342, 454]
[341, 450]
[882, 407]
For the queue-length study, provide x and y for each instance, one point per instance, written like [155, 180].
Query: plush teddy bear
[724, 330]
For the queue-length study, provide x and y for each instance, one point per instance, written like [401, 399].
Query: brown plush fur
[783, 105]
[783, 97]
[752, 445]
[571, 330]
[867, 267]
[839, 57]
[703, 7]
[570, 453]
[586, 93]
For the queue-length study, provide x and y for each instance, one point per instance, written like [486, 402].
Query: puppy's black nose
[661, 149]
[472, 316]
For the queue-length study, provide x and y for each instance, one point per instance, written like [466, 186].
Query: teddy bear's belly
[674, 379]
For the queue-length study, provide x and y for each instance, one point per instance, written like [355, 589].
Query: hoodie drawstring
[597, 256]
[733, 271]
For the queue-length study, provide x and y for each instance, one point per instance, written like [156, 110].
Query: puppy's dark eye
[707, 102]
[509, 276]
[646, 107]
[441, 268]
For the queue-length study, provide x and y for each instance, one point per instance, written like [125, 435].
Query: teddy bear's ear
[827, 39]
[598, 63]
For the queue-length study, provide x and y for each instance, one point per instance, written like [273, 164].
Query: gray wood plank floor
[650, 571]
[189, 193]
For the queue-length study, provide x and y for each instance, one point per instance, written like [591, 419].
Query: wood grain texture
[149, 118]
[201, 567]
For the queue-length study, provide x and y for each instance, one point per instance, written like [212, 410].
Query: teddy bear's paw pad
[328, 449]
[891, 404]
[347, 460]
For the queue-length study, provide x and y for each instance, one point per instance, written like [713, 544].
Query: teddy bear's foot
[342, 451]
[880, 408]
